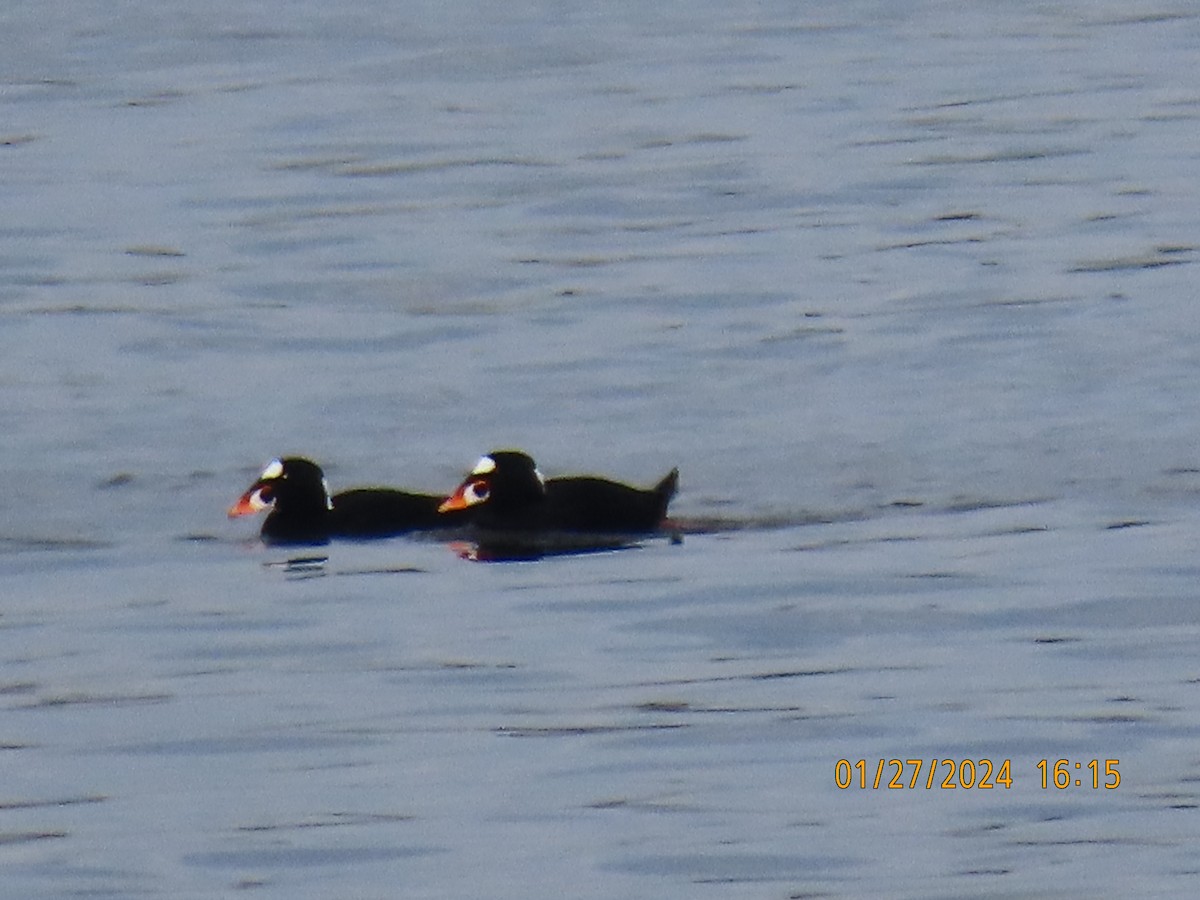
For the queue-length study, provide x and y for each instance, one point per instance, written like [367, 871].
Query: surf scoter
[505, 492]
[303, 512]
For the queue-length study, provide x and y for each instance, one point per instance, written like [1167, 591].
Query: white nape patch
[541, 478]
[257, 503]
[273, 470]
[485, 466]
[328, 499]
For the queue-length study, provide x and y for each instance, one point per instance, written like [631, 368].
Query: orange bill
[248, 504]
[457, 500]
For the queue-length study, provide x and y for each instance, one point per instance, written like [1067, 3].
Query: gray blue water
[906, 290]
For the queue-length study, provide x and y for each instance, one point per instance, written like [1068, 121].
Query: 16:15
[1064, 773]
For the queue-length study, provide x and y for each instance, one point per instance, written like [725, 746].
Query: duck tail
[666, 489]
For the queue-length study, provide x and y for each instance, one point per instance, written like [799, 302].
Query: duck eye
[259, 498]
[478, 491]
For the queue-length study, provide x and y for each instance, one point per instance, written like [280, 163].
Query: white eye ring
[273, 470]
[485, 466]
[257, 503]
[476, 492]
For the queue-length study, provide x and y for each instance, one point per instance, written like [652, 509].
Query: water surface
[905, 290]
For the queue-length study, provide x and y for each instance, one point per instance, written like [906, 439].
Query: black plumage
[302, 511]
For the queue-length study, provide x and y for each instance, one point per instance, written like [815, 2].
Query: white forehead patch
[273, 470]
[485, 466]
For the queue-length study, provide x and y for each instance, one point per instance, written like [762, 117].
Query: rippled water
[905, 291]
